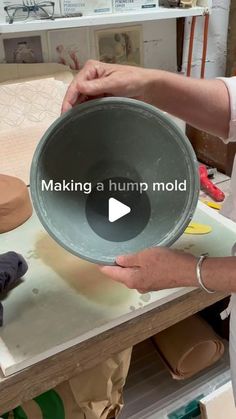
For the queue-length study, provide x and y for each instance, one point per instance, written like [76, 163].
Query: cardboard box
[86, 7]
[12, 73]
[134, 5]
[219, 404]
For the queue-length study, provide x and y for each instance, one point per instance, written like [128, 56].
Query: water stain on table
[145, 297]
[35, 291]
[84, 277]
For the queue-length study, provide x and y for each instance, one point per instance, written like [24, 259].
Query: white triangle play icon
[117, 210]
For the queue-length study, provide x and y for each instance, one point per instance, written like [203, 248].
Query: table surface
[38, 378]
[64, 300]
[85, 311]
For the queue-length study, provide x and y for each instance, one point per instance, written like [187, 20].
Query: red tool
[209, 187]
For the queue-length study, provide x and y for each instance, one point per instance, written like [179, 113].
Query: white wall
[159, 42]
[217, 41]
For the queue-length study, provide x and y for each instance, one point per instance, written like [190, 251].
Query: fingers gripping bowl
[118, 152]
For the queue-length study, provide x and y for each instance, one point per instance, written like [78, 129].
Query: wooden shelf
[103, 19]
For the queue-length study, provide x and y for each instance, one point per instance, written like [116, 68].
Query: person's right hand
[97, 79]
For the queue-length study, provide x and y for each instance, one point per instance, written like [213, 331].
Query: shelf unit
[104, 19]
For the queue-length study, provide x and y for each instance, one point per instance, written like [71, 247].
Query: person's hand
[97, 79]
[154, 269]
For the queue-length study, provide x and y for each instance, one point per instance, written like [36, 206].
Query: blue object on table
[12, 267]
[189, 411]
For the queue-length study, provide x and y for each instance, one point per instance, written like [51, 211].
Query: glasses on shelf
[41, 10]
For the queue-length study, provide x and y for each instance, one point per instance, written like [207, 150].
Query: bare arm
[201, 103]
[159, 268]
[220, 273]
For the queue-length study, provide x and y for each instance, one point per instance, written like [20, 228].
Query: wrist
[185, 270]
[153, 85]
[199, 274]
[207, 269]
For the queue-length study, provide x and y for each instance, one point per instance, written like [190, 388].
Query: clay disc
[195, 228]
[212, 204]
[15, 204]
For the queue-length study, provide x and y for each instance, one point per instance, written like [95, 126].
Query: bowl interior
[122, 141]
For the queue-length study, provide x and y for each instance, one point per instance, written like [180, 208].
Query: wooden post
[231, 47]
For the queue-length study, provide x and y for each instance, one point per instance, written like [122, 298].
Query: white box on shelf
[205, 3]
[85, 7]
[101, 18]
[4, 3]
[21, 15]
[134, 5]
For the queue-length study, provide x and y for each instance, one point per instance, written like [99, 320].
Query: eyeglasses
[42, 10]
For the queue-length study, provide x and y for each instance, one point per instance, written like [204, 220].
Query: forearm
[203, 104]
[218, 274]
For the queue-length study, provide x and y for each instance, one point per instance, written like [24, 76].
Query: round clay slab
[15, 204]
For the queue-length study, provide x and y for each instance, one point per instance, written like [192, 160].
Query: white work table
[66, 316]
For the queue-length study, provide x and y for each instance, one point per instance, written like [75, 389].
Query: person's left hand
[154, 269]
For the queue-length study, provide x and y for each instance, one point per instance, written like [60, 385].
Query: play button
[117, 210]
[117, 215]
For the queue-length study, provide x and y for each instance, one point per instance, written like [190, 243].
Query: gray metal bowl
[114, 138]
